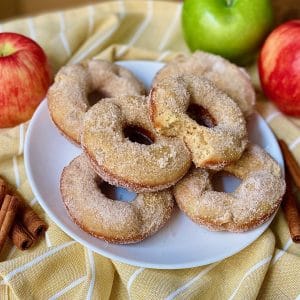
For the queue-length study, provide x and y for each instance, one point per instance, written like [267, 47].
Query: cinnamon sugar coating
[212, 147]
[68, 96]
[112, 220]
[126, 163]
[229, 78]
[251, 204]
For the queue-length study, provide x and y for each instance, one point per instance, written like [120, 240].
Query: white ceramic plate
[180, 244]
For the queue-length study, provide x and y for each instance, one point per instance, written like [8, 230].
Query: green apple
[231, 28]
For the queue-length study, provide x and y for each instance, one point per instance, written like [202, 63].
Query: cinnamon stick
[290, 209]
[7, 216]
[3, 190]
[29, 226]
[291, 162]
[20, 236]
[32, 222]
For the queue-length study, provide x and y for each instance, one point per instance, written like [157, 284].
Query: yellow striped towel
[58, 267]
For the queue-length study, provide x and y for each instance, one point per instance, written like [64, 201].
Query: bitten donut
[177, 107]
[125, 150]
[251, 204]
[77, 87]
[112, 220]
[229, 78]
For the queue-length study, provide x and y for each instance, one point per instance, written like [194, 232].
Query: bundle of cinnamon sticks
[289, 204]
[18, 220]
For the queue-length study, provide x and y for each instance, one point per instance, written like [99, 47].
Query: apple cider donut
[112, 220]
[251, 204]
[176, 108]
[125, 150]
[77, 87]
[229, 78]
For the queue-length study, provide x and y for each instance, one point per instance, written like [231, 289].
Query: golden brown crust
[68, 96]
[210, 147]
[112, 220]
[114, 179]
[216, 226]
[251, 204]
[229, 78]
[129, 164]
[62, 133]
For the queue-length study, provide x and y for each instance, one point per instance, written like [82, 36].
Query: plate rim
[101, 251]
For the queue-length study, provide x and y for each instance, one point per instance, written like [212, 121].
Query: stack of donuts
[166, 147]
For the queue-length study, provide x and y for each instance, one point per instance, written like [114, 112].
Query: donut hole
[201, 115]
[225, 182]
[138, 135]
[95, 96]
[115, 193]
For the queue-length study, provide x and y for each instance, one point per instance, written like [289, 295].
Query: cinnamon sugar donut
[79, 86]
[251, 204]
[111, 138]
[112, 220]
[176, 106]
[229, 78]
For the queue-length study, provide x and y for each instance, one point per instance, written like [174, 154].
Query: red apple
[279, 67]
[24, 78]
